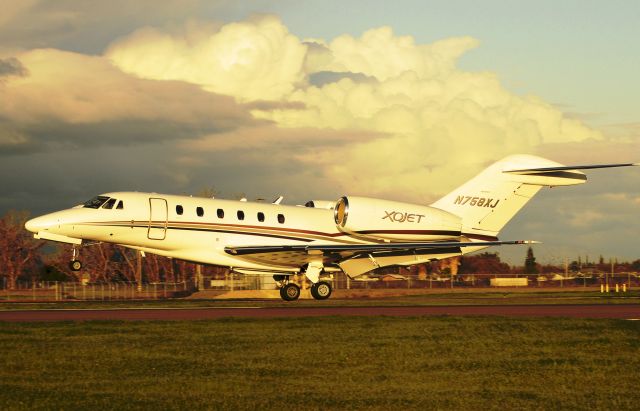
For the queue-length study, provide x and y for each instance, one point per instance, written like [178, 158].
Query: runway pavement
[622, 311]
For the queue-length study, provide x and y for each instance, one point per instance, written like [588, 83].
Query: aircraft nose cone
[37, 224]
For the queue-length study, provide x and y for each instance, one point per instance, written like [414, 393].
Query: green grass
[322, 363]
[473, 298]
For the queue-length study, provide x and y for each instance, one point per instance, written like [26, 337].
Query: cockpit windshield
[109, 204]
[95, 202]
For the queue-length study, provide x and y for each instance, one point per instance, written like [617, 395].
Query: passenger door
[158, 216]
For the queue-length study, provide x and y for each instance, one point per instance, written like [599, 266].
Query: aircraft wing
[356, 259]
[367, 248]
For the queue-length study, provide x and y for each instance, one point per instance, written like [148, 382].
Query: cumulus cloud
[381, 54]
[441, 123]
[250, 60]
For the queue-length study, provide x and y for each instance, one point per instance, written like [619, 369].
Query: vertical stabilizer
[488, 201]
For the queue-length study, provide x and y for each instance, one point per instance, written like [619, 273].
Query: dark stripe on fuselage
[208, 230]
[228, 229]
[414, 232]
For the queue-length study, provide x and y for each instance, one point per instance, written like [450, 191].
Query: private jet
[354, 235]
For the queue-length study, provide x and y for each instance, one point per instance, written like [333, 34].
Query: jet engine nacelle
[375, 219]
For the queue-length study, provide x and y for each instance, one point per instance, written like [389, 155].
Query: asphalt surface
[623, 311]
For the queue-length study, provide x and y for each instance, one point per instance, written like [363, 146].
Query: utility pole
[612, 270]
[199, 279]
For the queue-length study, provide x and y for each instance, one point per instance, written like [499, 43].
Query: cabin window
[120, 205]
[261, 217]
[95, 202]
[281, 218]
[220, 213]
[109, 204]
[240, 215]
[200, 211]
[179, 210]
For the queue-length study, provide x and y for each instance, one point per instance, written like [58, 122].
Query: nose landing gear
[74, 264]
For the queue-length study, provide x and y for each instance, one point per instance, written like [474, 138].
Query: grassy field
[322, 363]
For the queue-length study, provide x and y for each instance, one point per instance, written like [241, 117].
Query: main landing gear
[291, 291]
[321, 290]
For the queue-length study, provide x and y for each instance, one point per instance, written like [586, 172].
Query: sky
[317, 99]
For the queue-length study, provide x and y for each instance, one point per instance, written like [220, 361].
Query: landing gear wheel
[75, 265]
[290, 292]
[321, 290]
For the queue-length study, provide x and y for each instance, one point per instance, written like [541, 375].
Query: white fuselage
[196, 229]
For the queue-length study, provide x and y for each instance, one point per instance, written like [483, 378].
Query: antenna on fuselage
[278, 200]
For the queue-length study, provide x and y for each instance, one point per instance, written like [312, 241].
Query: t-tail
[487, 202]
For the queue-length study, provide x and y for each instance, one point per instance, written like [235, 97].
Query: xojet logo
[399, 217]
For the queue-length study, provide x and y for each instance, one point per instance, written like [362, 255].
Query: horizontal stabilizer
[545, 170]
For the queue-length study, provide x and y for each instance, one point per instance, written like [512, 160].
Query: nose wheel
[75, 264]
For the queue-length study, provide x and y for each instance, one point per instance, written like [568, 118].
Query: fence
[469, 281]
[410, 281]
[68, 291]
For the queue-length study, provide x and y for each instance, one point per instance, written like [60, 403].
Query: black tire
[75, 265]
[321, 290]
[290, 292]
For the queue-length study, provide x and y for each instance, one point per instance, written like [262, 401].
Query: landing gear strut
[74, 264]
[320, 290]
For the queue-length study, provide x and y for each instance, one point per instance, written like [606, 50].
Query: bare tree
[18, 250]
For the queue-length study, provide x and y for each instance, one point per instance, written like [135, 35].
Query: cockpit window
[95, 202]
[109, 204]
[120, 205]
